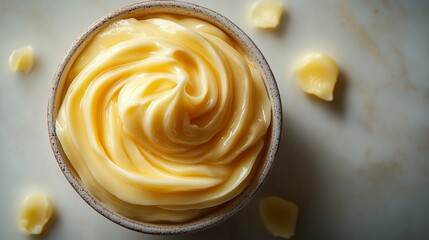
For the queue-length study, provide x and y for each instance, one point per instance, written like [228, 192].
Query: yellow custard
[164, 118]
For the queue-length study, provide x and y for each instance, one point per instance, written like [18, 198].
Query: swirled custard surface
[163, 118]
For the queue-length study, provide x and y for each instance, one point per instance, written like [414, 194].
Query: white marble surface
[357, 167]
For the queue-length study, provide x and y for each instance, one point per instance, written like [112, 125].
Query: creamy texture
[163, 118]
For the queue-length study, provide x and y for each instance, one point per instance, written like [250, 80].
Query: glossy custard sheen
[164, 118]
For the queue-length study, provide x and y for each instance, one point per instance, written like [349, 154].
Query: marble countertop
[358, 167]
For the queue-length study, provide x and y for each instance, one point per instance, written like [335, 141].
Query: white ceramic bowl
[192, 10]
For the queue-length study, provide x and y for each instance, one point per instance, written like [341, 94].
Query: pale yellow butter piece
[35, 213]
[317, 75]
[279, 216]
[22, 59]
[266, 13]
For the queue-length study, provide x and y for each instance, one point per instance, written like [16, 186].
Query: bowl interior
[179, 8]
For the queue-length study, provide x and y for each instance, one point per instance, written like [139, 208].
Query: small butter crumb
[279, 216]
[266, 13]
[35, 213]
[22, 59]
[317, 75]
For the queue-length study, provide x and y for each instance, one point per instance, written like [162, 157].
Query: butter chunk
[22, 59]
[317, 75]
[279, 216]
[266, 13]
[35, 213]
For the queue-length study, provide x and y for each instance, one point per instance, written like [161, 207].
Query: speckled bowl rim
[181, 8]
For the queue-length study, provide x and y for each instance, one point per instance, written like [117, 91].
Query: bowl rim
[166, 6]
